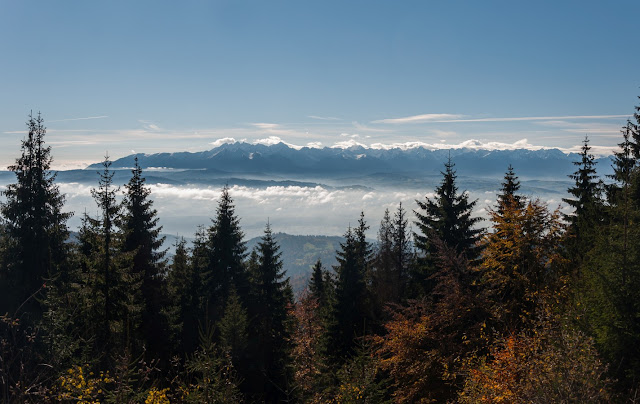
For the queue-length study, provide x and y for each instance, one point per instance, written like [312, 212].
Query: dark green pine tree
[402, 250]
[318, 285]
[448, 217]
[392, 260]
[586, 203]
[186, 290]
[364, 250]
[227, 251]
[610, 292]
[117, 285]
[350, 308]
[509, 191]
[35, 230]
[623, 167]
[272, 298]
[384, 286]
[179, 288]
[142, 239]
[635, 131]
[445, 217]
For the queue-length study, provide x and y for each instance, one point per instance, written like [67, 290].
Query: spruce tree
[448, 217]
[619, 192]
[188, 286]
[509, 191]
[180, 290]
[271, 296]
[142, 239]
[227, 251]
[588, 209]
[445, 217]
[349, 311]
[586, 191]
[318, 286]
[385, 282]
[610, 292]
[401, 243]
[35, 230]
[118, 285]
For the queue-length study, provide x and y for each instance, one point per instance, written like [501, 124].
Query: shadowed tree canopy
[34, 225]
[227, 251]
[142, 239]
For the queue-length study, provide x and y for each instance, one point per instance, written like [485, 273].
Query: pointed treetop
[510, 187]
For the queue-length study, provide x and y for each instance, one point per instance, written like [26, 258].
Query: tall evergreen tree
[588, 209]
[118, 286]
[142, 239]
[227, 251]
[186, 282]
[445, 217]
[34, 226]
[448, 217]
[619, 192]
[401, 248]
[318, 284]
[586, 191]
[509, 191]
[392, 260]
[272, 296]
[610, 292]
[364, 250]
[383, 283]
[350, 308]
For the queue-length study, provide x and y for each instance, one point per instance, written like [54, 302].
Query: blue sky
[152, 76]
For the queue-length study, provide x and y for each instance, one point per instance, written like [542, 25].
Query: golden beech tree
[521, 260]
[551, 363]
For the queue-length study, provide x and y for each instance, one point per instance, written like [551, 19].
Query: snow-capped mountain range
[283, 160]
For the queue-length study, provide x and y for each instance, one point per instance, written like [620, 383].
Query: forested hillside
[532, 305]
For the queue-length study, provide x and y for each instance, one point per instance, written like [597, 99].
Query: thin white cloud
[451, 118]
[148, 125]
[589, 130]
[265, 125]
[314, 145]
[420, 118]
[582, 127]
[324, 118]
[79, 119]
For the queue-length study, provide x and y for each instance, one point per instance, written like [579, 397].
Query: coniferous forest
[530, 306]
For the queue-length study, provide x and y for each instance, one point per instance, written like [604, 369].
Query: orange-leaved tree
[426, 341]
[521, 261]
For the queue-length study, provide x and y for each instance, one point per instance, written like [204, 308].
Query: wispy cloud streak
[324, 118]
[80, 119]
[450, 118]
[421, 118]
